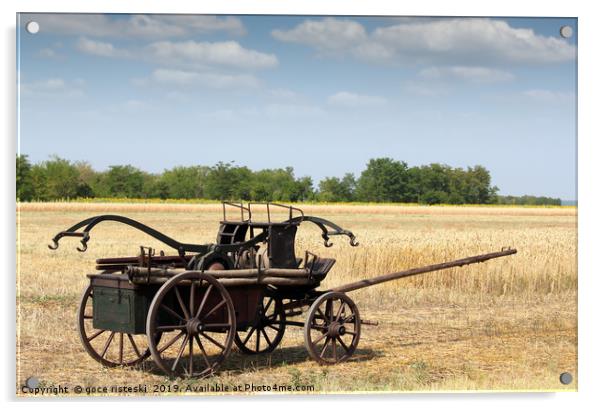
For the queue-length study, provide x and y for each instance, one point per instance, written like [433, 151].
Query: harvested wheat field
[508, 324]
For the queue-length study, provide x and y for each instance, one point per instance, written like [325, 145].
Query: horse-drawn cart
[187, 310]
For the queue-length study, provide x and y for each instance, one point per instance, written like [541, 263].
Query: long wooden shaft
[143, 273]
[417, 271]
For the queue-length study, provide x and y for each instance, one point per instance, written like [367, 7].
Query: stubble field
[508, 324]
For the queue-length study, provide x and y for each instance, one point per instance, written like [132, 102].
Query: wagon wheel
[265, 335]
[195, 313]
[107, 347]
[332, 328]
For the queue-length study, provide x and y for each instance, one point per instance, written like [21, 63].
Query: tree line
[382, 180]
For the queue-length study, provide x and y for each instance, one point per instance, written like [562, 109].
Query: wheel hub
[194, 326]
[336, 329]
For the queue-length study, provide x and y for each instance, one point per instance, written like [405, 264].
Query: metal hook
[326, 239]
[353, 242]
[84, 246]
[55, 245]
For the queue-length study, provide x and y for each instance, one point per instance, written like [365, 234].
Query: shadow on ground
[238, 363]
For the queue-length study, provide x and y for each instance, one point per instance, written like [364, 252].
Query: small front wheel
[332, 328]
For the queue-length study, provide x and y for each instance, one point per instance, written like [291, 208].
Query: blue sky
[321, 94]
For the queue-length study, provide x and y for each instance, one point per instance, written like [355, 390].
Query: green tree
[23, 179]
[124, 181]
[304, 189]
[87, 178]
[332, 189]
[383, 180]
[54, 179]
[227, 182]
[185, 182]
[280, 185]
[479, 189]
[434, 197]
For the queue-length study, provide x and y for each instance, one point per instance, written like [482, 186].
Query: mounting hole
[566, 378]
[32, 382]
[566, 31]
[32, 27]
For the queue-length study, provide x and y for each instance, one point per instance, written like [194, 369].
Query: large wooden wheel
[107, 347]
[332, 328]
[194, 312]
[267, 331]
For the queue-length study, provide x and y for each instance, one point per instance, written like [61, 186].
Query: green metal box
[119, 305]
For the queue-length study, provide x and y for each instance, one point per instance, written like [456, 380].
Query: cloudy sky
[321, 94]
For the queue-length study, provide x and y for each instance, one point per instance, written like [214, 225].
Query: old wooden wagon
[187, 310]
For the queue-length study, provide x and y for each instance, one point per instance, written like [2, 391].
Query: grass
[508, 324]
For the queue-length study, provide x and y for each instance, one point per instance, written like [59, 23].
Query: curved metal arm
[90, 223]
[323, 224]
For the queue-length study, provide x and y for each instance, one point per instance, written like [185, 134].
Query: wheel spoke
[319, 339]
[257, 340]
[341, 308]
[215, 342]
[190, 355]
[172, 312]
[340, 339]
[216, 325]
[88, 316]
[265, 335]
[95, 335]
[198, 341]
[249, 336]
[192, 287]
[318, 310]
[202, 305]
[168, 328]
[106, 346]
[334, 349]
[349, 319]
[273, 327]
[134, 345]
[325, 346]
[121, 348]
[177, 359]
[216, 307]
[171, 342]
[265, 309]
[181, 302]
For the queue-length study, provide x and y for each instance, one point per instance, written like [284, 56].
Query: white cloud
[100, 48]
[224, 53]
[329, 34]
[293, 111]
[186, 54]
[139, 25]
[466, 73]
[469, 41]
[52, 87]
[221, 115]
[283, 94]
[347, 99]
[548, 95]
[47, 53]
[204, 79]
[426, 89]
